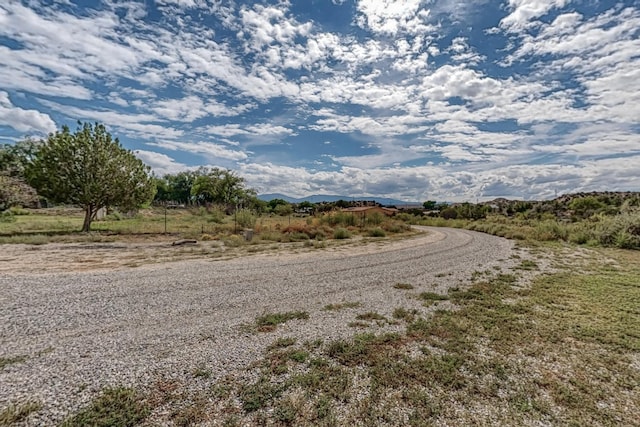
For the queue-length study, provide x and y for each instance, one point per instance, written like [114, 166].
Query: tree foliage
[206, 186]
[14, 189]
[90, 169]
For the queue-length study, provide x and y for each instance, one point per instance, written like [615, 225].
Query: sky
[448, 100]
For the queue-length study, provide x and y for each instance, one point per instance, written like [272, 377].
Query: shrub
[449, 213]
[245, 218]
[377, 232]
[7, 216]
[376, 218]
[341, 233]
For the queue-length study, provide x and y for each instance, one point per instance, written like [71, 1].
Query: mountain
[317, 198]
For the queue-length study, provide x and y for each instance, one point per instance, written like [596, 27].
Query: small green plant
[259, 394]
[115, 407]
[282, 343]
[269, 322]
[404, 314]
[341, 306]
[370, 316]
[405, 286]
[528, 264]
[202, 372]
[431, 298]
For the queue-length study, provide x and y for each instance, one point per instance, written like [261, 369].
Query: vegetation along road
[72, 335]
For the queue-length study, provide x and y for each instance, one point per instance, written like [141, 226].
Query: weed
[269, 322]
[406, 286]
[341, 306]
[404, 314]
[15, 414]
[6, 361]
[115, 407]
[281, 343]
[431, 298]
[202, 372]
[527, 264]
[259, 394]
[370, 316]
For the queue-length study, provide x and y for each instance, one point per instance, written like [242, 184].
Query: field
[553, 341]
[39, 226]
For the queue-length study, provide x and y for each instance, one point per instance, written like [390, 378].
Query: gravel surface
[80, 332]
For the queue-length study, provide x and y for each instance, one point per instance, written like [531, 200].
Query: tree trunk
[88, 217]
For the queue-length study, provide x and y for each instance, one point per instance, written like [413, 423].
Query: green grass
[115, 407]
[269, 322]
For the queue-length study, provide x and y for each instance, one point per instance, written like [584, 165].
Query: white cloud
[210, 150]
[23, 120]
[524, 11]
[393, 16]
[161, 164]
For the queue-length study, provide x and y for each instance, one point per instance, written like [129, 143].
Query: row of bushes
[621, 231]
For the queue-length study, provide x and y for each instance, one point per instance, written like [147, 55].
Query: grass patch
[14, 414]
[341, 306]
[115, 407]
[431, 298]
[527, 264]
[404, 286]
[269, 322]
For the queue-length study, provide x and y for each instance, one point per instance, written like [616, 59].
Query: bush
[375, 218]
[245, 218]
[7, 216]
[341, 233]
[377, 232]
[449, 213]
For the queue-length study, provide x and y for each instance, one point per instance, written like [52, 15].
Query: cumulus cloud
[23, 120]
[161, 164]
[408, 95]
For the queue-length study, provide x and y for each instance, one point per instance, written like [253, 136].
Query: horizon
[411, 100]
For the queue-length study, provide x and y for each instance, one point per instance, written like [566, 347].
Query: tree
[430, 205]
[91, 170]
[218, 186]
[14, 189]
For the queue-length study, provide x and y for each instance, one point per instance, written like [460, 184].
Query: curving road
[80, 332]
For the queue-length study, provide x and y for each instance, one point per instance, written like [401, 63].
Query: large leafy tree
[219, 186]
[90, 169]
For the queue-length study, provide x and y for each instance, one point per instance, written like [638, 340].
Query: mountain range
[318, 198]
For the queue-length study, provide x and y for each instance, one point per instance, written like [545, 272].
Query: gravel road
[81, 332]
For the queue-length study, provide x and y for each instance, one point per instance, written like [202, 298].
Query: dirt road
[76, 333]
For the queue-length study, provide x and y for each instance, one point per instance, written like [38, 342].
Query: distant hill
[318, 198]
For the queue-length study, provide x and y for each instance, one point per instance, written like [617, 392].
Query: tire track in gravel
[84, 331]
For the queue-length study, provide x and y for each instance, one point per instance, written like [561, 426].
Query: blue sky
[436, 99]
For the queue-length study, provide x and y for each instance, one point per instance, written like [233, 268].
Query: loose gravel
[82, 332]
